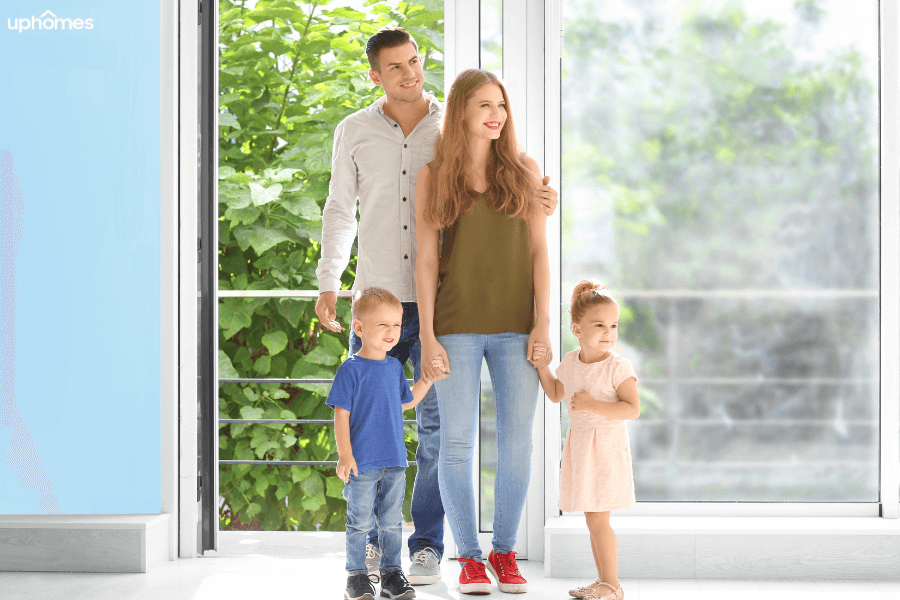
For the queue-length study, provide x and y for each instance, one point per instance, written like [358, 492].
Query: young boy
[369, 395]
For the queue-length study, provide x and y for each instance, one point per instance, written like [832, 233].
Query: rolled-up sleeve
[339, 217]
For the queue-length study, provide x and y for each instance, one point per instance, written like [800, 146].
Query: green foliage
[289, 72]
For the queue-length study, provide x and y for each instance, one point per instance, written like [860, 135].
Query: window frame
[888, 504]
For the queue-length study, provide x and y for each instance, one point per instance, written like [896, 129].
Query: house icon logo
[48, 22]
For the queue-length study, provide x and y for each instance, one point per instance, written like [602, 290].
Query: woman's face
[485, 113]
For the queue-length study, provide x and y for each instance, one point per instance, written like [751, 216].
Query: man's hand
[325, 310]
[345, 466]
[547, 197]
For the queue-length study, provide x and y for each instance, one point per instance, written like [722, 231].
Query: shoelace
[421, 557]
[508, 564]
[474, 570]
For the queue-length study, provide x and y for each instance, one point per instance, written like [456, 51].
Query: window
[720, 162]
[287, 76]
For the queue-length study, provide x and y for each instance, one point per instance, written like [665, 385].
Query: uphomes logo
[48, 22]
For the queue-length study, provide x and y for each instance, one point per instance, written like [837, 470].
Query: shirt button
[395, 124]
[406, 256]
[404, 227]
[404, 199]
[404, 145]
[404, 172]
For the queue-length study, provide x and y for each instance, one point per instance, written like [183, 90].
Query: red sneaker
[473, 579]
[505, 569]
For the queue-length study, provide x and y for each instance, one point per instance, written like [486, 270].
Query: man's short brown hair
[389, 37]
[372, 297]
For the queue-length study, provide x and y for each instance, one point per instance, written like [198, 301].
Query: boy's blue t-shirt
[373, 391]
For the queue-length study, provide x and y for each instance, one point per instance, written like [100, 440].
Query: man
[378, 152]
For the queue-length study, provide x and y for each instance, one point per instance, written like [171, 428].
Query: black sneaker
[395, 586]
[359, 587]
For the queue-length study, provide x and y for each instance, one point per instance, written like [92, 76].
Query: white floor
[311, 566]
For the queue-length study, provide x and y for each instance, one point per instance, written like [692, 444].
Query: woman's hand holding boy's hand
[438, 369]
[435, 362]
[345, 466]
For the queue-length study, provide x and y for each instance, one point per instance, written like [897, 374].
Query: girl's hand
[538, 352]
[582, 401]
[540, 336]
[345, 466]
[435, 362]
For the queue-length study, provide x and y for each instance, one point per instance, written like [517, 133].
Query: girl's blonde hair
[588, 293]
[511, 188]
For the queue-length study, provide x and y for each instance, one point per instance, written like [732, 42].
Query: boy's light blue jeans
[389, 485]
[515, 383]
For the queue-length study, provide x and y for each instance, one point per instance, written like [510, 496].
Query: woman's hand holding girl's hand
[538, 353]
[435, 362]
[582, 401]
[539, 340]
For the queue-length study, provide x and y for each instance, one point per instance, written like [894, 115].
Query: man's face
[401, 73]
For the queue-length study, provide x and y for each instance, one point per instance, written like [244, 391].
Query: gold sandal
[617, 594]
[585, 590]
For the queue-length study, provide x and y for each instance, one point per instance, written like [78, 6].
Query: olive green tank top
[485, 281]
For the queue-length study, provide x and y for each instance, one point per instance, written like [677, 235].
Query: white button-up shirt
[375, 163]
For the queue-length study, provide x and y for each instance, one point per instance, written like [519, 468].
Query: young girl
[601, 387]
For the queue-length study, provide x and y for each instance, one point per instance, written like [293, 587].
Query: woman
[484, 296]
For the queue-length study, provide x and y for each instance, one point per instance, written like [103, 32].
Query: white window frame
[888, 505]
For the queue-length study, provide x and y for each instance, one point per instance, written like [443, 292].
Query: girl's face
[485, 113]
[598, 329]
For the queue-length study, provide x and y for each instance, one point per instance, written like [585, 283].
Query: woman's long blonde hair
[510, 183]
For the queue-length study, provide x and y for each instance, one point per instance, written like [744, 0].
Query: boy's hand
[440, 371]
[345, 466]
[582, 401]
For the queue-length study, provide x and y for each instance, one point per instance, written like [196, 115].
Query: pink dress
[595, 475]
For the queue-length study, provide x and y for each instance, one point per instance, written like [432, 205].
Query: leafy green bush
[289, 72]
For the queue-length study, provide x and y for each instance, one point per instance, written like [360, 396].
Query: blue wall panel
[79, 257]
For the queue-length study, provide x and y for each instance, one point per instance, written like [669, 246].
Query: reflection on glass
[720, 169]
[492, 36]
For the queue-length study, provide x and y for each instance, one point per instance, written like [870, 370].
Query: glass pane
[487, 438]
[720, 174]
[287, 77]
[492, 36]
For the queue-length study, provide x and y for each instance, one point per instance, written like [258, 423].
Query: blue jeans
[389, 486]
[427, 509]
[515, 383]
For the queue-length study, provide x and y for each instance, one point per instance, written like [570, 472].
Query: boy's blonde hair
[588, 293]
[371, 297]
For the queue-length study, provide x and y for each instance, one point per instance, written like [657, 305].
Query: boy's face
[379, 328]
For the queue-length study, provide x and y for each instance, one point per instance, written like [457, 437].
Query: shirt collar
[433, 105]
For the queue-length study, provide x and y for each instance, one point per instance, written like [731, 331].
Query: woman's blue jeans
[515, 383]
